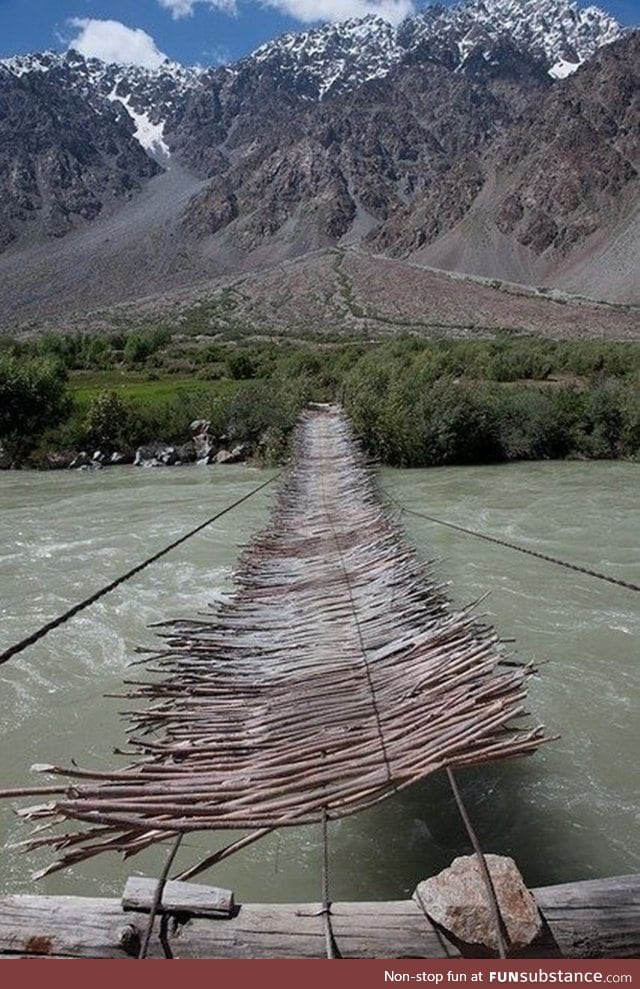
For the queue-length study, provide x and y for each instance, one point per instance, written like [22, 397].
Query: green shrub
[530, 425]
[33, 397]
[139, 347]
[108, 423]
[240, 366]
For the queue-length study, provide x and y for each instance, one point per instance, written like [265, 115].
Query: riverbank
[412, 402]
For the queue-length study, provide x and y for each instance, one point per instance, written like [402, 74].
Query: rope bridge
[336, 675]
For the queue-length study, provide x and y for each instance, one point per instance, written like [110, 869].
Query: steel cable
[40, 633]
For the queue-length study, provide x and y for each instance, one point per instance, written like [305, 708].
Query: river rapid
[569, 812]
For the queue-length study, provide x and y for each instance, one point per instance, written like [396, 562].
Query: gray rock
[100, 457]
[223, 457]
[235, 456]
[187, 453]
[168, 456]
[200, 426]
[117, 457]
[203, 448]
[156, 455]
[240, 452]
[457, 900]
[81, 460]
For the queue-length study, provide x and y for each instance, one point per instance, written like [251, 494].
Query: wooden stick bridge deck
[337, 675]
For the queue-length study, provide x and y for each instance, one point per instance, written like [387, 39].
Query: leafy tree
[140, 346]
[33, 397]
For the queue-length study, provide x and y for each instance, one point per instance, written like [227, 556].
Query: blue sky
[188, 31]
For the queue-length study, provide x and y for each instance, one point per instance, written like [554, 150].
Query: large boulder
[186, 453]
[204, 449]
[237, 455]
[156, 455]
[457, 900]
[223, 457]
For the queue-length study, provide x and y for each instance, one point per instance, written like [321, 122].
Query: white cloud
[307, 11]
[185, 8]
[112, 41]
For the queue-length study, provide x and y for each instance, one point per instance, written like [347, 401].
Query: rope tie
[502, 937]
[155, 906]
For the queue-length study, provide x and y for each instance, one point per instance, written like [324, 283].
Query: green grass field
[85, 385]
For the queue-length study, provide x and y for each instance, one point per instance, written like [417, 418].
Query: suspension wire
[330, 942]
[521, 549]
[502, 936]
[30, 640]
[155, 905]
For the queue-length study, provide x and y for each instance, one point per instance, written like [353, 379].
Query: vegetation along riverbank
[414, 402]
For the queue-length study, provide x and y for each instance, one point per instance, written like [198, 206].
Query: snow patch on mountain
[148, 95]
[150, 135]
[334, 56]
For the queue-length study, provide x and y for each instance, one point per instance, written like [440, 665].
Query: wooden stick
[494, 906]
[157, 899]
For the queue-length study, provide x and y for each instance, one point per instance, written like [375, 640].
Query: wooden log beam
[178, 897]
[597, 918]
[593, 919]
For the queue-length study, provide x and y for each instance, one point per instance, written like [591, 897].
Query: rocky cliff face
[61, 160]
[553, 176]
[361, 155]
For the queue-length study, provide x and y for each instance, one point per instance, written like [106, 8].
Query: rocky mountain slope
[61, 162]
[338, 291]
[463, 138]
[563, 172]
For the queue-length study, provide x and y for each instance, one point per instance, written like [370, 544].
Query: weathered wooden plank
[178, 897]
[74, 926]
[258, 931]
[596, 918]
[391, 929]
[593, 919]
[77, 927]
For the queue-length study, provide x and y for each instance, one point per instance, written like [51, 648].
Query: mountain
[149, 96]
[61, 161]
[557, 187]
[337, 57]
[497, 137]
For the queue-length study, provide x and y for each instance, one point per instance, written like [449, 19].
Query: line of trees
[413, 403]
